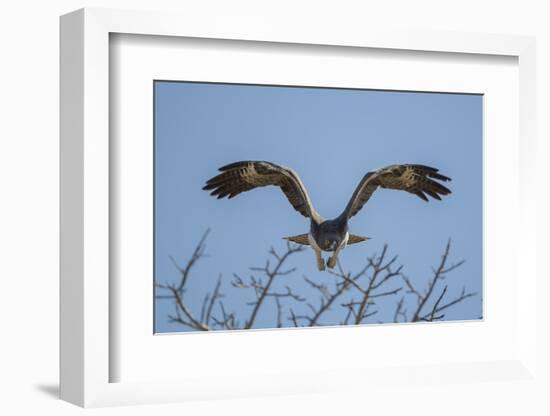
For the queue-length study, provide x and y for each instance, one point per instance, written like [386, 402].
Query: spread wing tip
[432, 172]
[421, 195]
[440, 177]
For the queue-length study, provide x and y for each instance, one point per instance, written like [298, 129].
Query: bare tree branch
[177, 291]
[459, 299]
[327, 298]
[271, 274]
[399, 311]
[361, 295]
[279, 312]
[215, 296]
[438, 275]
[179, 302]
[381, 273]
[198, 253]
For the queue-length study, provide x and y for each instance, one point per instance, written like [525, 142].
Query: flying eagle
[325, 235]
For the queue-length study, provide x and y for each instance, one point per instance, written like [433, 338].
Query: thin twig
[271, 275]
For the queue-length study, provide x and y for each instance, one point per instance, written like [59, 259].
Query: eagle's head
[330, 234]
[329, 241]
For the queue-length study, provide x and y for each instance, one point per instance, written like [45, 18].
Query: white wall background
[29, 200]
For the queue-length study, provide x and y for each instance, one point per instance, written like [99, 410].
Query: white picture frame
[87, 356]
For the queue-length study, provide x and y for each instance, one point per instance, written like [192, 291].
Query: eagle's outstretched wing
[246, 175]
[416, 179]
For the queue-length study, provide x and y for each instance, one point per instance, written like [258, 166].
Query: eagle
[326, 235]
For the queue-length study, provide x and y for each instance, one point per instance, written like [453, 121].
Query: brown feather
[420, 180]
[354, 239]
[302, 239]
[244, 176]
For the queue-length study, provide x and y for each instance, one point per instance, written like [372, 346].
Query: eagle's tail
[303, 239]
[356, 239]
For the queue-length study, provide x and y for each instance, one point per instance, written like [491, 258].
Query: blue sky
[331, 137]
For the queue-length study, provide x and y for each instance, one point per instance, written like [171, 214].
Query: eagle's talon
[331, 262]
[321, 265]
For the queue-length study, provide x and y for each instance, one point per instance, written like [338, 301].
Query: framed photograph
[247, 211]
